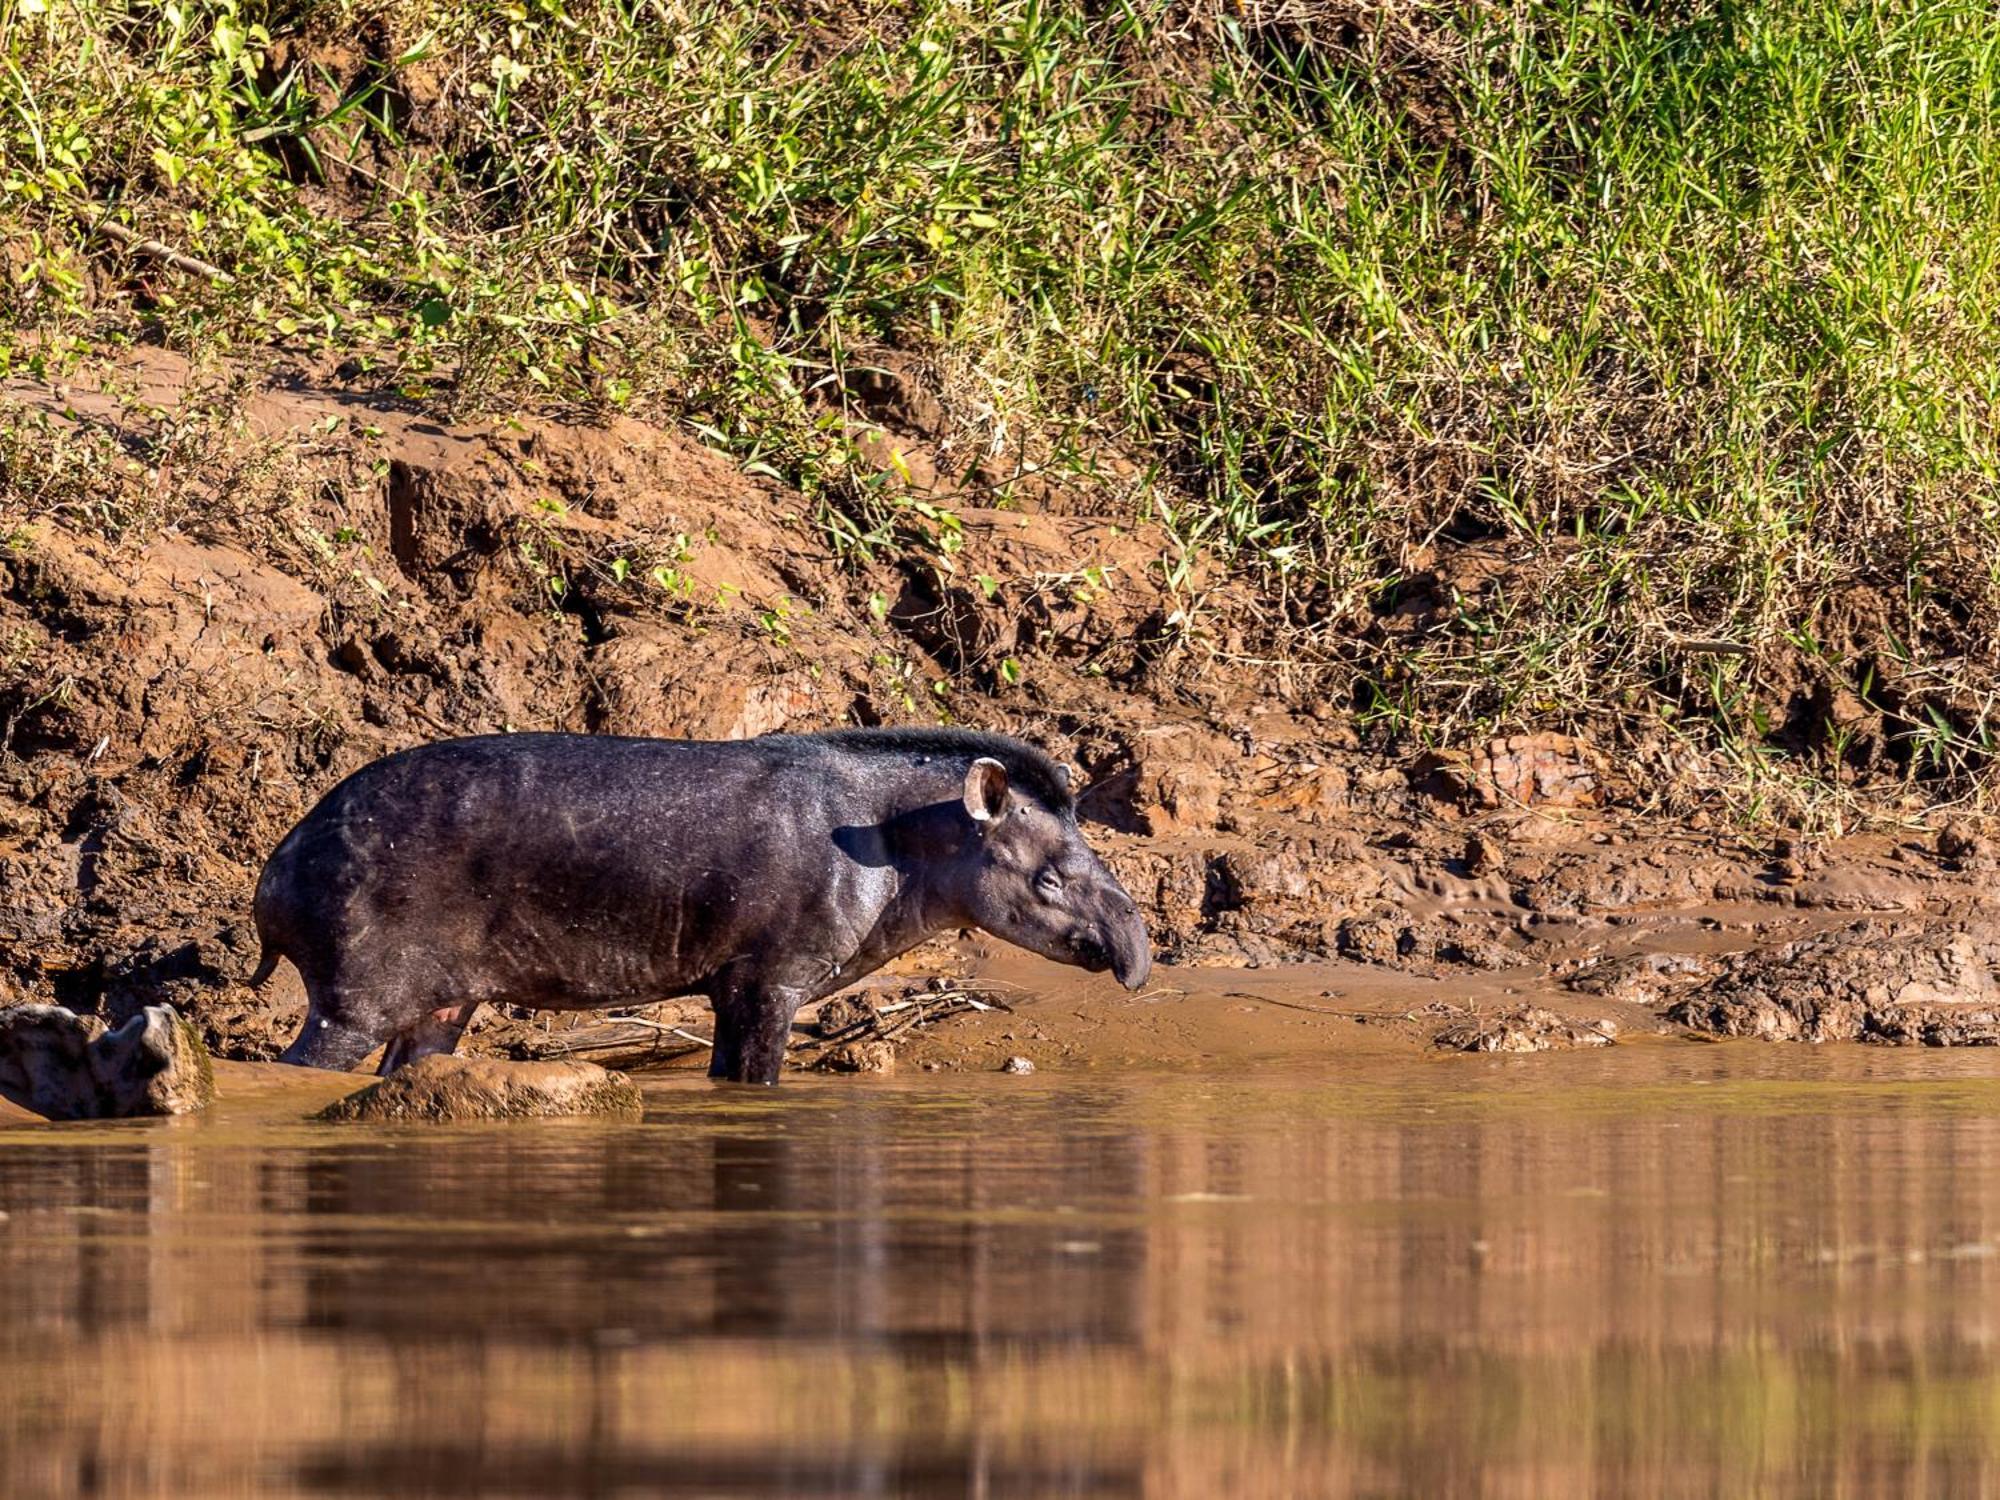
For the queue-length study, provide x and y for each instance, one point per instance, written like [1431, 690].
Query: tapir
[570, 872]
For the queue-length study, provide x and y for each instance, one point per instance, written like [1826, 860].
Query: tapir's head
[1030, 878]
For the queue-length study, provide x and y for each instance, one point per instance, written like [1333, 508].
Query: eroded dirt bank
[294, 576]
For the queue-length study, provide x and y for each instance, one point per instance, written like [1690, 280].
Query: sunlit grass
[1687, 310]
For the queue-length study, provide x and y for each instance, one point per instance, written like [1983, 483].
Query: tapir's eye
[1049, 883]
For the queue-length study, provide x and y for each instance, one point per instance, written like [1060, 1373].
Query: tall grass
[1679, 318]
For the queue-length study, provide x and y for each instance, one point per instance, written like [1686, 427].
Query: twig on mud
[613, 1035]
[959, 996]
[1318, 1010]
[895, 1029]
[663, 1026]
[909, 1014]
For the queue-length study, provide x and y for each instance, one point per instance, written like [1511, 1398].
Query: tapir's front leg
[753, 1024]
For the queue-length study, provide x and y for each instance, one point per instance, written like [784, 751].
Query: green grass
[1689, 310]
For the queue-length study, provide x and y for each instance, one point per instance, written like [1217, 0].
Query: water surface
[1661, 1269]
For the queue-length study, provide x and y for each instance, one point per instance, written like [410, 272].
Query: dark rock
[351, 655]
[842, 1013]
[1483, 856]
[1372, 940]
[1962, 846]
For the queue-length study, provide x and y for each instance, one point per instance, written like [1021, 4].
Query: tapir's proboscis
[576, 872]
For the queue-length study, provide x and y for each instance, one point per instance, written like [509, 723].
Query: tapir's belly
[579, 946]
[571, 940]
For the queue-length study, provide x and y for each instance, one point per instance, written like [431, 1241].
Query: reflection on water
[1660, 1269]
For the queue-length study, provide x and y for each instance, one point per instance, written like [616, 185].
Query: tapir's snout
[1132, 955]
[1115, 940]
[1130, 950]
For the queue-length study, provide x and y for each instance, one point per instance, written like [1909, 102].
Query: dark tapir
[579, 871]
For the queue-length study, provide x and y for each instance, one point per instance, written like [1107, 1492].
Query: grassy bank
[1555, 365]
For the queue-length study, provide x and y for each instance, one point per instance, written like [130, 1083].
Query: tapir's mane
[1027, 768]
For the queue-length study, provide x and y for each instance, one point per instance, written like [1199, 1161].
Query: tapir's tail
[262, 909]
[267, 965]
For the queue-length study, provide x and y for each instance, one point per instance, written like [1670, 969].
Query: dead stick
[138, 244]
[662, 1026]
[1318, 1010]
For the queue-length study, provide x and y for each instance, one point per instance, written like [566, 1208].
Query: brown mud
[235, 589]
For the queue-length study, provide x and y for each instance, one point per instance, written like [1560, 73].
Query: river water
[1658, 1269]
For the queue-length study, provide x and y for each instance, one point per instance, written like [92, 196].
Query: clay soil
[238, 587]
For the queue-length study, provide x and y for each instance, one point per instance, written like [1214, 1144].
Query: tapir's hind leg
[439, 1031]
[728, 1046]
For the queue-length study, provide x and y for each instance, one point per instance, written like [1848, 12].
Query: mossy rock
[482, 1088]
[70, 1067]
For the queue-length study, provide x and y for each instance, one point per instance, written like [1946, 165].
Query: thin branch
[138, 244]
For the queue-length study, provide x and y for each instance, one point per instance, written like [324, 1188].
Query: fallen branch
[614, 1035]
[166, 254]
[886, 1023]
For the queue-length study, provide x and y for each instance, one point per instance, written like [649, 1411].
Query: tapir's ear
[986, 790]
[1062, 772]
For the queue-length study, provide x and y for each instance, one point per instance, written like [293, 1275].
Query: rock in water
[860, 1057]
[484, 1088]
[70, 1067]
[1526, 1028]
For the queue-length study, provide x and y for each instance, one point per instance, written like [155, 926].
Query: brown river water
[1658, 1269]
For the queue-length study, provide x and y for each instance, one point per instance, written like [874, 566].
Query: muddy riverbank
[305, 574]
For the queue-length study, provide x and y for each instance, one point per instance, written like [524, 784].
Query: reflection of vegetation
[1691, 309]
[1736, 1412]
[1743, 1419]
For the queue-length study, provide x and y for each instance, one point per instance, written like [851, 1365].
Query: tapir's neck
[921, 897]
